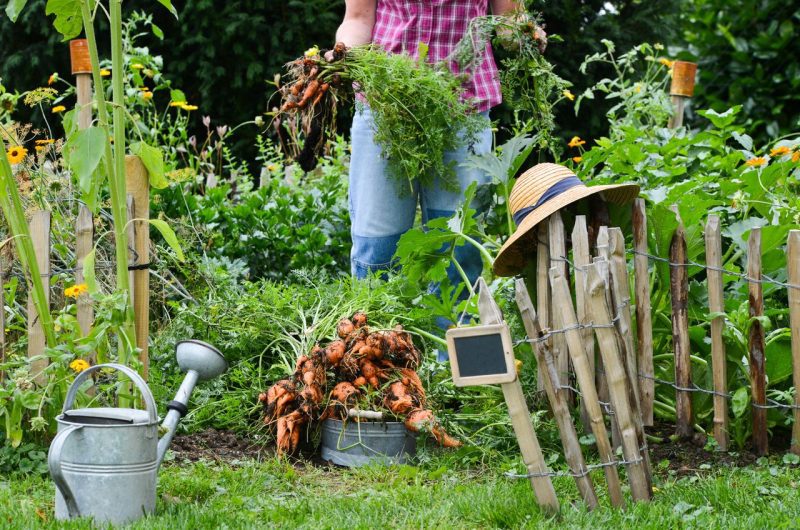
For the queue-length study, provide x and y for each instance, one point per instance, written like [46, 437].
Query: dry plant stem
[520, 416]
[644, 319]
[756, 344]
[564, 316]
[715, 305]
[793, 267]
[617, 379]
[15, 216]
[679, 289]
[566, 429]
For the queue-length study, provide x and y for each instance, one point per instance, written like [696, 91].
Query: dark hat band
[552, 192]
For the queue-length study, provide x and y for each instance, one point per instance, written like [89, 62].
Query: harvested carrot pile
[374, 370]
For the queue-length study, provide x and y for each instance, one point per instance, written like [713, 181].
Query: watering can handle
[54, 463]
[149, 402]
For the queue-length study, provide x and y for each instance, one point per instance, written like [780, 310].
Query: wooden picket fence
[138, 201]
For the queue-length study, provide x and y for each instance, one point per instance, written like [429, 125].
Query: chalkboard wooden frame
[506, 376]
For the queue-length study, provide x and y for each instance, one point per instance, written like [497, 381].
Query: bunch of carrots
[365, 368]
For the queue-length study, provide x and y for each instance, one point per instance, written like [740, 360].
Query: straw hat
[539, 192]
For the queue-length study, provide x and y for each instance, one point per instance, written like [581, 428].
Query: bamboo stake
[715, 305]
[793, 267]
[581, 257]
[644, 321]
[138, 185]
[542, 283]
[615, 373]
[40, 237]
[84, 241]
[521, 417]
[557, 397]
[756, 344]
[558, 256]
[679, 289]
[564, 315]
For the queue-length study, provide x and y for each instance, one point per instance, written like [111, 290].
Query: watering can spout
[200, 361]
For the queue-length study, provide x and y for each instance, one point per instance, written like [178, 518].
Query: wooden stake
[557, 397]
[615, 373]
[542, 283]
[681, 89]
[84, 242]
[521, 417]
[581, 257]
[138, 185]
[81, 67]
[602, 248]
[564, 315]
[644, 319]
[715, 305]
[558, 256]
[679, 289]
[130, 204]
[40, 235]
[756, 344]
[793, 268]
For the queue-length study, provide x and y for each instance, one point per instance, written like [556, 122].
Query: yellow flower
[576, 141]
[79, 365]
[577, 159]
[272, 167]
[137, 66]
[16, 154]
[58, 108]
[312, 52]
[105, 72]
[637, 88]
[76, 290]
[518, 365]
[779, 151]
[757, 161]
[666, 62]
[42, 145]
[796, 156]
[177, 103]
[147, 95]
[569, 95]
[52, 79]
[188, 107]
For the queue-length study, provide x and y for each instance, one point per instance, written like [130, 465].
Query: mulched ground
[220, 446]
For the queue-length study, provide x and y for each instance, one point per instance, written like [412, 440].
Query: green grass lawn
[277, 494]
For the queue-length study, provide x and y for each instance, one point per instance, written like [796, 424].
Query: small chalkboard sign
[481, 355]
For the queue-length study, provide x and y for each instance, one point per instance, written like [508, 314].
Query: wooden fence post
[82, 70]
[557, 397]
[756, 343]
[40, 235]
[542, 283]
[558, 256]
[679, 289]
[602, 249]
[520, 417]
[793, 267]
[644, 318]
[581, 257]
[681, 89]
[716, 306]
[564, 316]
[138, 185]
[617, 380]
[84, 242]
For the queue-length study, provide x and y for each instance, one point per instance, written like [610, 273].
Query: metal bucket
[357, 443]
[104, 460]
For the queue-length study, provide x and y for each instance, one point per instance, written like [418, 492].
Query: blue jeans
[382, 208]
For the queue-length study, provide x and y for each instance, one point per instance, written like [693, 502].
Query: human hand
[337, 53]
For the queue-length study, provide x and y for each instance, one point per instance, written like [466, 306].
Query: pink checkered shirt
[400, 25]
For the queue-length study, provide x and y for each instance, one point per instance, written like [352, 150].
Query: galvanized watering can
[104, 461]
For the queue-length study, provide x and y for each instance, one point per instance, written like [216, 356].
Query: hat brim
[514, 253]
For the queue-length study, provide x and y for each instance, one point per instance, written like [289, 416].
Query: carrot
[310, 92]
[359, 381]
[359, 319]
[334, 352]
[345, 328]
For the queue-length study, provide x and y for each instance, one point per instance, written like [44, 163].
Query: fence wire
[583, 472]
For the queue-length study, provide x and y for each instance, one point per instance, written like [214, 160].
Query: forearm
[354, 33]
[506, 7]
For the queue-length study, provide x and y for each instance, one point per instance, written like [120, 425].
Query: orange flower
[76, 290]
[575, 142]
[577, 159]
[52, 79]
[780, 151]
[757, 161]
[796, 156]
[16, 154]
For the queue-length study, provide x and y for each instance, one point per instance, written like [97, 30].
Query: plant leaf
[169, 237]
[153, 160]
[169, 6]
[14, 8]
[88, 272]
[68, 20]
[84, 151]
